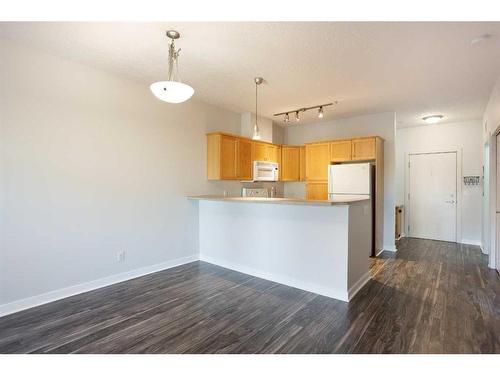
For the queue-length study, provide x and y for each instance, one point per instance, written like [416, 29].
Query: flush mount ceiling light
[256, 130]
[172, 90]
[432, 119]
[297, 111]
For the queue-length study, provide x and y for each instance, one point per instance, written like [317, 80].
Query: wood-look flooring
[429, 297]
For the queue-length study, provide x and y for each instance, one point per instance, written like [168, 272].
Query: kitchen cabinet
[341, 151]
[228, 158]
[317, 161]
[290, 163]
[302, 163]
[244, 157]
[317, 190]
[228, 162]
[364, 148]
[266, 152]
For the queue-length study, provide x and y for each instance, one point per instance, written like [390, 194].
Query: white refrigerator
[354, 179]
[350, 179]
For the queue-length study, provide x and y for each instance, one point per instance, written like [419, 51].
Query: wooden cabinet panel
[340, 151]
[244, 158]
[302, 163]
[273, 153]
[228, 163]
[317, 161]
[317, 191]
[290, 163]
[260, 151]
[364, 149]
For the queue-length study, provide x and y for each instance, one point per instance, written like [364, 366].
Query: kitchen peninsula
[315, 245]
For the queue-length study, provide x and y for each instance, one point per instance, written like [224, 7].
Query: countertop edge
[286, 201]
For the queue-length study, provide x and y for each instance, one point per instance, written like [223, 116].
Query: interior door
[432, 196]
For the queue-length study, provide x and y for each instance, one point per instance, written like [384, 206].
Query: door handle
[449, 201]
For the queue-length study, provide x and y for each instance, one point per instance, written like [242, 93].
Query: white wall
[382, 124]
[92, 164]
[463, 136]
[491, 125]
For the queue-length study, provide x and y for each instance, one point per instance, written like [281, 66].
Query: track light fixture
[297, 111]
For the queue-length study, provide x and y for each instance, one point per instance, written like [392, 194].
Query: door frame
[458, 214]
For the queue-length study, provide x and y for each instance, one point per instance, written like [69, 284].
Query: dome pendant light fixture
[172, 90]
[256, 131]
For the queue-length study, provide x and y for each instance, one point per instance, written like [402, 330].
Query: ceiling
[412, 68]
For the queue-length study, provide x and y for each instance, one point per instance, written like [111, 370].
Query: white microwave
[265, 171]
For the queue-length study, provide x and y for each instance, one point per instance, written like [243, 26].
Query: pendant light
[172, 90]
[256, 130]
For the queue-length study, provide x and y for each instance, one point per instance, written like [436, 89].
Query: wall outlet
[120, 256]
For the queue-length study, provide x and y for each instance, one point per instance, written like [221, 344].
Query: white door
[433, 196]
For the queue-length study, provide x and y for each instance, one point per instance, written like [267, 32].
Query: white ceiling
[412, 68]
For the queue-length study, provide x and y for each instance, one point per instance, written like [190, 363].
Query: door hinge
[408, 196]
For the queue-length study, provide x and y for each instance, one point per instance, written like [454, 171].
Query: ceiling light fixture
[432, 119]
[256, 130]
[297, 117]
[172, 90]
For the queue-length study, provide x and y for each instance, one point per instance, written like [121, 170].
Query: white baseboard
[280, 279]
[353, 290]
[465, 241]
[391, 248]
[55, 295]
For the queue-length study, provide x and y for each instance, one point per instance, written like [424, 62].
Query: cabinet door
[340, 150]
[290, 163]
[363, 149]
[317, 191]
[244, 159]
[260, 152]
[317, 161]
[302, 163]
[273, 153]
[228, 164]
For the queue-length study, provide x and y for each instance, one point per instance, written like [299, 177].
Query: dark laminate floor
[432, 297]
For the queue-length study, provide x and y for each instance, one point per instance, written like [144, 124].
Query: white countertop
[338, 200]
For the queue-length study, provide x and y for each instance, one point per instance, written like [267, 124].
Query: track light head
[297, 117]
[287, 118]
[320, 112]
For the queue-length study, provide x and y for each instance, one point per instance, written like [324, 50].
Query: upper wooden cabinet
[302, 163]
[228, 158]
[244, 158]
[364, 148]
[290, 163]
[266, 152]
[317, 161]
[341, 151]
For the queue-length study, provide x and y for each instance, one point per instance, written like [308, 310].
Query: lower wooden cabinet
[317, 190]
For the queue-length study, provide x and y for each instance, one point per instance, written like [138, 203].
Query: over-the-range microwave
[265, 171]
